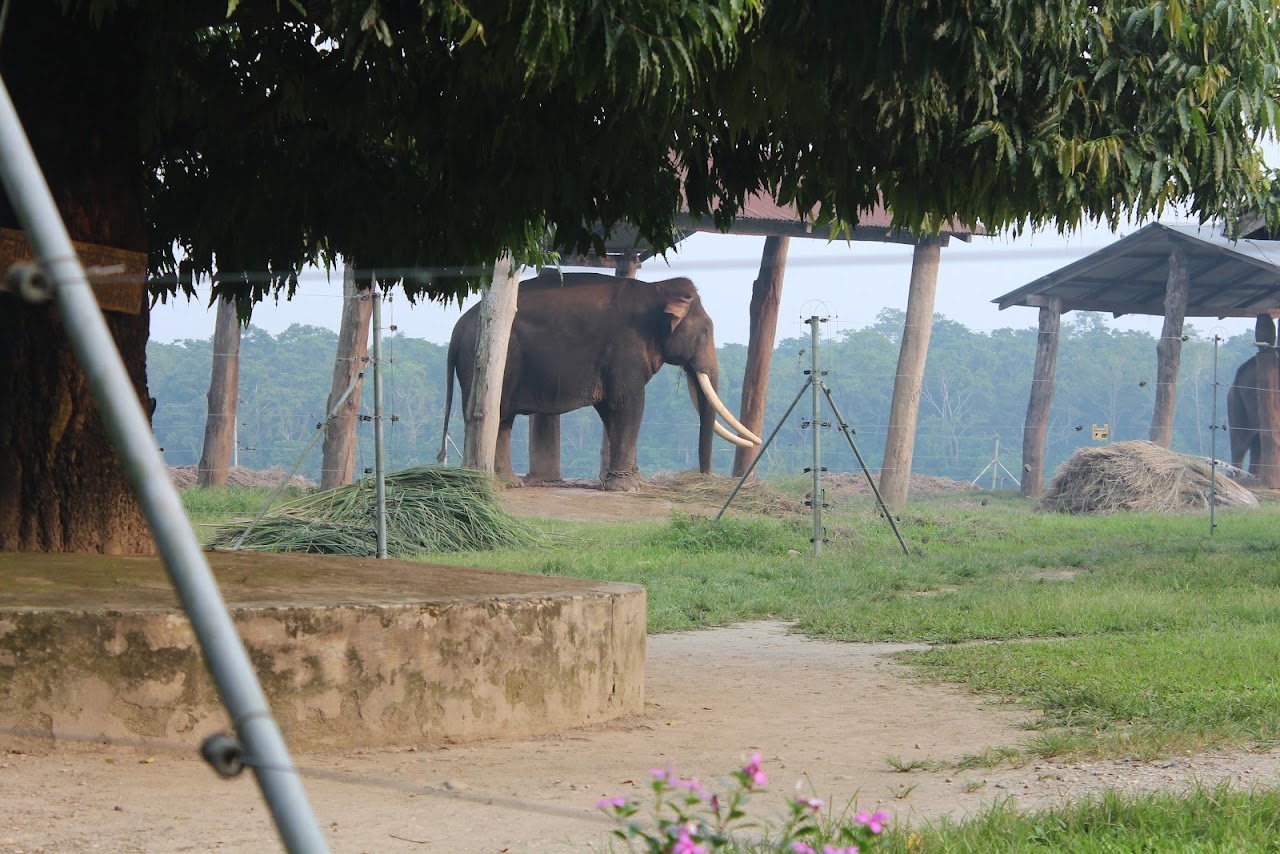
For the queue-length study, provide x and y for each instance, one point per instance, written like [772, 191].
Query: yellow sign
[1101, 434]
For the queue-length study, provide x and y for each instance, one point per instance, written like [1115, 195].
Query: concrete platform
[350, 651]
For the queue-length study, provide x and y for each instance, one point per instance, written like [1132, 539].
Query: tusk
[724, 433]
[704, 382]
[720, 429]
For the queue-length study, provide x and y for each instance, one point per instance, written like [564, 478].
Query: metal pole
[379, 470]
[995, 469]
[1213, 444]
[817, 438]
[117, 400]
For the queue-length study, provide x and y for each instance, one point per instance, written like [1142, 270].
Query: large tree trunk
[1169, 348]
[484, 405]
[895, 474]
[62, 487]
[1037, 423]
[766, 293]
[224, 386]
[339, 453]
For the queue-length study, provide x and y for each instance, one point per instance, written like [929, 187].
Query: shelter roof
[762, 216]
[1228, 278]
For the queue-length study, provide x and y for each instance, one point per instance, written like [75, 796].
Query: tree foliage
[420, 136]
[1007, 114]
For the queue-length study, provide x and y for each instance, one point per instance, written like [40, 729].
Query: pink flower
[809, 803]
[663, 774]
[802, 848]
[874, 821]
[755, 776]
[684, 842]
[692, 785]
[831, 849]
[616, 802]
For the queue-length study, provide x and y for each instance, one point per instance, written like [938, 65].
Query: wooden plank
[118, 276]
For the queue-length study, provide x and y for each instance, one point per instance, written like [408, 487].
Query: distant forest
[975, 390]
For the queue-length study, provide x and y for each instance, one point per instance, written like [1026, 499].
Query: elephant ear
[677, 308]
[679, 294]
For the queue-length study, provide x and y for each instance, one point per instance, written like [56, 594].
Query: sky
[850, 283]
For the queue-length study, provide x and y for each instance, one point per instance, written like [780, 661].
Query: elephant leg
[502, 455]
[544, 449]
[622, 431]
[1255, 455]
[1239, 447]
[604, 455]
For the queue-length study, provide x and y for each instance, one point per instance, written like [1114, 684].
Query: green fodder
[1139, 476]
[429, 509]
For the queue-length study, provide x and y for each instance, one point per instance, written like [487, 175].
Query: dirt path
[824, 714]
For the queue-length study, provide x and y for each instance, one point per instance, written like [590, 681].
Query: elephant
[1242, 414]
[588, 339]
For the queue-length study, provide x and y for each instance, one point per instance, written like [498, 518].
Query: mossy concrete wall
[453, 667]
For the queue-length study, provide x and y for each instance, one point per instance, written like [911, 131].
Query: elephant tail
[450, 364]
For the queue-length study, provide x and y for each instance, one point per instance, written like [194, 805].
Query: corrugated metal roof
[1228, 278]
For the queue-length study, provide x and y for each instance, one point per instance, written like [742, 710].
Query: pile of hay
[184, 477]
[429, 509]
[690, 487]
[1138, 476]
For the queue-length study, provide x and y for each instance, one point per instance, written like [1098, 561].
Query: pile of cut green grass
[429, 509]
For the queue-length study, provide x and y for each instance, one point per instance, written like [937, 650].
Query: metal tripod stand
[813, 381]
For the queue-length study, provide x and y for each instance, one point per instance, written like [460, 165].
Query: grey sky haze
[849, 282]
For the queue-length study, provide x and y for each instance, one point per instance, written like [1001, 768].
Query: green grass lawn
[1132, 634]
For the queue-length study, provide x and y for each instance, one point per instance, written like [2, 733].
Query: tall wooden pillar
[627, 265]
[338, 452]
[766, 293]
[1169, 349]
[544, 449]
[1037, 423]
[224, 385]
[483, 411]
[1268, 469]
[895, 474]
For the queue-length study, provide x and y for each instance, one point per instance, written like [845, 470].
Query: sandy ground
[826, 716]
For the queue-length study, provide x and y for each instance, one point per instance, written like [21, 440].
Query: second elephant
[1243, 417]
[586, 339]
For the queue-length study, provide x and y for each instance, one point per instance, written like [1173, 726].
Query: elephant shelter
[1162, 270]
[761, 216]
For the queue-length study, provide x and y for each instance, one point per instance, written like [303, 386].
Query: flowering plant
[686, 818]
